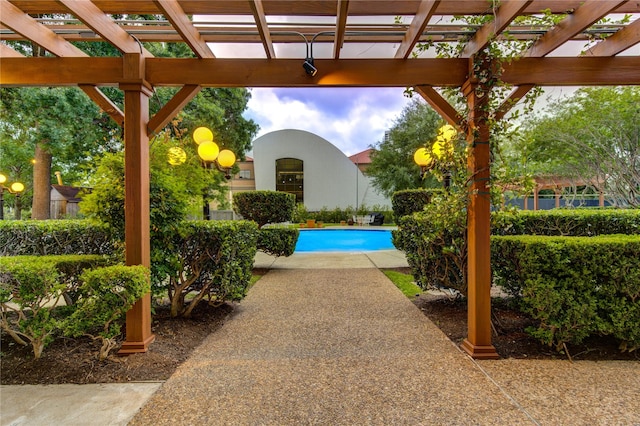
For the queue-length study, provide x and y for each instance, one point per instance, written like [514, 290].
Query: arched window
[290, 177]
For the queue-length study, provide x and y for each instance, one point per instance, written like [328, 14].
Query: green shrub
[410, 201]
[106, 295]
[264, 206]
[212, 260]
[278, 241]
[572, 222]
[575, 286]
[54, 237]
[435, 243]
[30, 288]
[300, 214]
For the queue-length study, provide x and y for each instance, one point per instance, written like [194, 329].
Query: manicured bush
[106, 294]
[435, 243]
[212, 260]
[54, 237]
[264, 206]
[574, 286]
[30, 288]
[278, 241]
[568, 222]
[409, 201]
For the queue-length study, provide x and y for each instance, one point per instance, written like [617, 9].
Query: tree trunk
[41, 183]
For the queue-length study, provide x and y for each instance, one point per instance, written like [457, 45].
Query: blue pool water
[343, 240]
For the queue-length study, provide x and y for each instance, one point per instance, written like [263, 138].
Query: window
[244, 174]
[290, 177]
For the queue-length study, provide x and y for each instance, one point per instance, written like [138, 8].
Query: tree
[392, 167]
[64, 130]
[592, 137]
[48, 123]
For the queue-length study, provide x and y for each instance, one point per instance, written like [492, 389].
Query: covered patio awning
[263, 43]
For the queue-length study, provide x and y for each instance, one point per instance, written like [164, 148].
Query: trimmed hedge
[54, 237]
[30, 288]
[212, 260]
[106, 296]
[278, 241]
[410, 201]
[575, 286]
[435, 241]
[574, 222]
[435, 246]
[264, 206]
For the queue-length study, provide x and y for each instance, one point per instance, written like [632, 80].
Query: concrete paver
[96, 404]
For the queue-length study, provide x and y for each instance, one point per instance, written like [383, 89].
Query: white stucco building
[318, 173]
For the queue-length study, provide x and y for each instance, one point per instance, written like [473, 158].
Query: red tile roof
[362, 157]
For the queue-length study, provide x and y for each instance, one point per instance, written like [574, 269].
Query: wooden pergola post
[478, 342]
[136, 204]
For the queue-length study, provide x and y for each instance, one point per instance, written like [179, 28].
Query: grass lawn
[404, 282]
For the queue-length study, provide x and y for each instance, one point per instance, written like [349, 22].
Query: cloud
[350, 118]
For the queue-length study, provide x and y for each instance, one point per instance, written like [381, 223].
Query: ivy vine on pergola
[337, 28]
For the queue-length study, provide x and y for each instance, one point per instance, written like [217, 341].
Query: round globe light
[208, 151]
[202, 134]
[447, 132]
[226, 158]
[3, 178]
[176, 156]
[422, 157]
[17, 187]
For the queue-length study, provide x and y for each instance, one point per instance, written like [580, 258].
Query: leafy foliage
[410, 201]
[37, 237]
[175, 191]
[106, 295]
[278, 241]
[30, 288]
[209, 259]
[574, 222]
[264, 206]
[592, 137]
[435, 242]
[392, 167]
[575, 286]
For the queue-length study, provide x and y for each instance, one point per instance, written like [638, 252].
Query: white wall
[330, 178]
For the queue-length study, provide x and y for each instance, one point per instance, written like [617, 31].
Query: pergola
[340, 30]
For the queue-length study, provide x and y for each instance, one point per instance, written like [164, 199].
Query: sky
[352, 119]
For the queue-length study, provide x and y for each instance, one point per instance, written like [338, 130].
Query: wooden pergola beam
[173, 107]
[506, 13]
[341, 22]
[306, 7]
[441, 105]
[584, 16]
[31, 29]
[263, 28]
[100, 23]
[622, 40]
[183, 25]
[451, 72]
[420, 20]
[103, 102]
[7, 52]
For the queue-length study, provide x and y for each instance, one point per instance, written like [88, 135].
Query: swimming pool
[343, 240]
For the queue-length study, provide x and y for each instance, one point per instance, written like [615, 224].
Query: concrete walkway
[319, 340]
